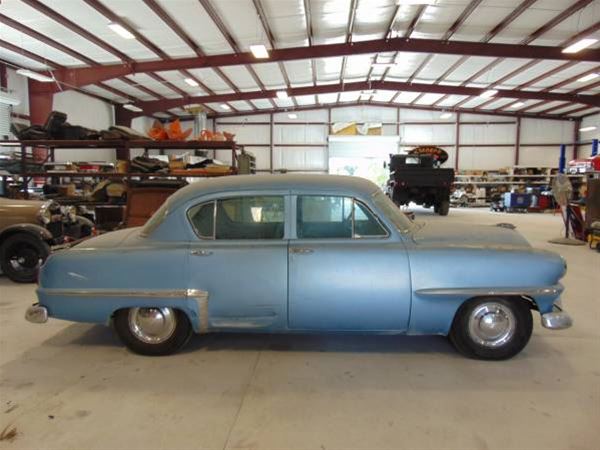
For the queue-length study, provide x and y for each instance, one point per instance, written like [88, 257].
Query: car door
[346, 270]
[240, 259]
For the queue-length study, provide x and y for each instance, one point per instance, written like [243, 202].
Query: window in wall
[260, 217]
[335, 217]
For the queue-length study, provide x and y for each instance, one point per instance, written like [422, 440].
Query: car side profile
[298, 254]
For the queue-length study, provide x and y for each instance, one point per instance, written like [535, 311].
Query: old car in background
[28, 231]
[303, 253]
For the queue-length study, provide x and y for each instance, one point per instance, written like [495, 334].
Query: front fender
[29, 228]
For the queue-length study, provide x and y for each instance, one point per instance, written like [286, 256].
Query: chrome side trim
[115, 293]
[557, 320]
[532, 292]
[36, 314]
[201, 299]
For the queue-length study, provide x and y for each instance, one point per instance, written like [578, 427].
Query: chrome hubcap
[492, 324]
[152, 325]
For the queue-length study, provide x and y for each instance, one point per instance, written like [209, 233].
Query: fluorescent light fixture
[121, 31]
[292, 116]
[8, 99]
[34, 75]
[579, 45]
[489, 93]
[132, 107]
[191, 82]
[445, 115]
[588, 77]
[259, 51]
[584, 129]
[517, 105]
[225, 106]
[282, 95]
[367, 92]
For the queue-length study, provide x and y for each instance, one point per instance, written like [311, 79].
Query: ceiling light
[34, 75]
[367, 91]
[384, 64]
[517, 105]
[259, 51]
[132, 107]
[292, 116]
[579, 45]
[121, 31]
[445, 115]
[225, 106]
[584, 129]
[282, 95]
[489, 93]
[191, 82]
[8, 99]
[588, 77]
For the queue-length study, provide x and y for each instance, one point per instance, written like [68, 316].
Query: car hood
[472, 236]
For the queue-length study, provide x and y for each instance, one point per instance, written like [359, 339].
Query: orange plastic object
[228, 136]
[206, 135]
[158, 132]
[174, 131]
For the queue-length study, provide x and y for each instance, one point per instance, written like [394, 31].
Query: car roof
[296, 182]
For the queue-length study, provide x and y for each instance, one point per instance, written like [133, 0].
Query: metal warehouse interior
[503, 96]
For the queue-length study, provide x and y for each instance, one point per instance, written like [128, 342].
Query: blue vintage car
[303, 253]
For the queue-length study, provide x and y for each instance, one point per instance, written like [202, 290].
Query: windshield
[156, 219]
[392, 212]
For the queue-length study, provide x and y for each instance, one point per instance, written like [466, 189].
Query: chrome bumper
[556, 320]
[36, 314]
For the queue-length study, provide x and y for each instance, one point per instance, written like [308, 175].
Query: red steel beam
[81, 76]
[154, 106]
[387, 105]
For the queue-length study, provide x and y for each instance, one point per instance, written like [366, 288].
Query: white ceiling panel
[43, 24]
[530, 74]
[484, 18]
[241, 105]
[328, 69]
[545, 105]
[330, 20]
[283, 103]
[242, 21]
[175, 77]
[305, 100]
[287, 21]
[429, 99]
[407, 64]
[469, 68]
[240, 76]
[105, 94]
[349, 96]
[128, 89]
[357, 66]
[97, 24]
[500, 70]
[192, 18]
[406, 97]
[569, 72]
[382, 95]
[452, 100]
[270, 74]
[262, 103]
[299, 72]
[499, 103]
[585, 112]
[327, 98]
[438, 18]
[211, 80]
[20, 60]
[436, 67]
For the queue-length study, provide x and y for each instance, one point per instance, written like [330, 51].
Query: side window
[202, 218]
[365, 224]
[260, 217]
[322, 217]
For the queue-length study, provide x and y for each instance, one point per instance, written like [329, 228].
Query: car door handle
[301, 250]
[201, 253]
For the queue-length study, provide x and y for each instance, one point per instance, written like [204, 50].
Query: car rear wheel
[491, 328]
[153, 331]
[21, 256]
[443, 208]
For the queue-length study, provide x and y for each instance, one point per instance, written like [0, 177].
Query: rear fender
[27, 228]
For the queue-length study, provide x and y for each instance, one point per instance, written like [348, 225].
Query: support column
[40, 106]
[518, 141]
[576, 126]
[123, 118]
[457, 141]
[271, 135]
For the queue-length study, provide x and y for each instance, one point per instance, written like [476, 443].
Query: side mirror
[384, 165]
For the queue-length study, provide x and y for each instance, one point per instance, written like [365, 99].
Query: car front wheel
[153, 331]
[21, 256]
[491, 328]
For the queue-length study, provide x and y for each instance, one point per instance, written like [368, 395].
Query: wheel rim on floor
[152, 325]
[492, 324]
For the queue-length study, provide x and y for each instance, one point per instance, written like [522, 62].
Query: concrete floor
[73, 386]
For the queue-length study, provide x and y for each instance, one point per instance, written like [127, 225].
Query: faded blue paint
[371, 285]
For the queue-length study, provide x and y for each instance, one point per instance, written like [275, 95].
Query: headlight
[70, 213]
[44, 215]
